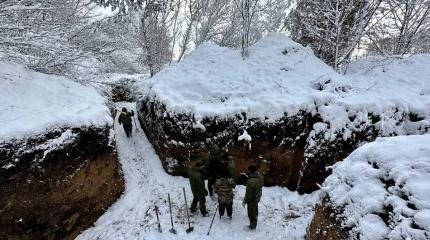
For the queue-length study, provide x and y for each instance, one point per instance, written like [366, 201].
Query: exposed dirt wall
[325, 226]
[56, 192]
[288, 151]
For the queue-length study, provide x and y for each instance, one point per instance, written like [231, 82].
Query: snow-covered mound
[387, 84]
[383, 190]
[32, 102]
[276, 78]
[395, 91]
[283, 97]
[281, 76]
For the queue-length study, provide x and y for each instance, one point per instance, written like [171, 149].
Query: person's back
[254, 187]
[126, 121]
[197, 184]
[231, 168]
[213, 164]
[125, 118]
[224, 188]
[196, 181]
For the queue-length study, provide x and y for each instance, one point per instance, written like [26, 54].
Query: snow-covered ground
[32, 103]
[283, 214]
[389, 177]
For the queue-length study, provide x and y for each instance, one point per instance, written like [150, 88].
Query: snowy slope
[32, 102]
[283, 214]
[281, 76]
[389, 177]
[213, 80]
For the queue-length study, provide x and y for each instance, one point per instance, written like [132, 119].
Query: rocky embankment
[55, 185]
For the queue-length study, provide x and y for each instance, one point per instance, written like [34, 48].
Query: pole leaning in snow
[210, 227]
[172, 230]
[190, 229]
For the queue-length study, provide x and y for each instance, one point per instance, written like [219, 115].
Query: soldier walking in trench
[254, 187]
[126, 121]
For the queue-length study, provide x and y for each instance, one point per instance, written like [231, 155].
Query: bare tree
[194, 11]
[247, 10]
[400, 27]
[41, 34]
[333, 28]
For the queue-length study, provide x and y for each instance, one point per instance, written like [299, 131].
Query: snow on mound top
[393, 80]
[276, 78]
[32, 102]
[383, 188]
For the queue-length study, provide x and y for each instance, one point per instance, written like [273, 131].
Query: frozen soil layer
[381, 190]
[300, 115]
[54, 185]
[32, 103]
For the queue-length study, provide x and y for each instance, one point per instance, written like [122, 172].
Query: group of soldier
[221, 174]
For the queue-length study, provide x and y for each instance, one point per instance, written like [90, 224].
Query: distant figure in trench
[126, 121]
[254, 187]
[197, 183]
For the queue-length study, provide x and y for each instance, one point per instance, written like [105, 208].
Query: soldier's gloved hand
[243, 204]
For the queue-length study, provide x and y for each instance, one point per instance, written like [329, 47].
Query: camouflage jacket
[224, 188]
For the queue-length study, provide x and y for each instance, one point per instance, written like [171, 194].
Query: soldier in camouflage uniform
[126, 121]
[224, 188]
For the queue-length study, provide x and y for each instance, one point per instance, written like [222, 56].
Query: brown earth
[325, 226]
[277, 148]
[284, 150]
[60, 200]
[63, 193]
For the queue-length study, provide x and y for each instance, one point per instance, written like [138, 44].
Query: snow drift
[300, 114]
[381, 191]
[33, 102]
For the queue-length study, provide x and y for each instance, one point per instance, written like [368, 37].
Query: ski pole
[158, 219]
[172, 230]
[213, 219]
[190, 229]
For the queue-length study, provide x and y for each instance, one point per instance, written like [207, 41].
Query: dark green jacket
[212, 161]
[197, 182]
[254, 187]
[125, 118]
[231, 168]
